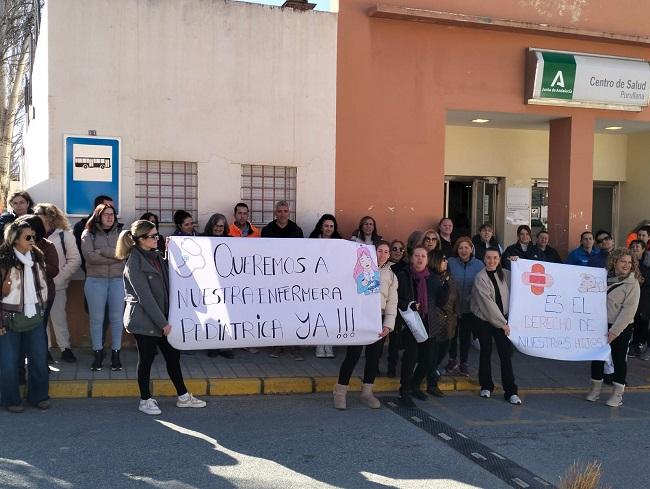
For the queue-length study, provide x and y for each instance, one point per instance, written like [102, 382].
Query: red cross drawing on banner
[537, 278]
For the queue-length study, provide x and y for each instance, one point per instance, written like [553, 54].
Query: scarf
[29, 288]
[420, 281]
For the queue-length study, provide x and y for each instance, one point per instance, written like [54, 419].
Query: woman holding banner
[623, 292]
[388, 292]
[420, 290]
[489, 303]
[217, 226]
[326, 228]
[147, 305]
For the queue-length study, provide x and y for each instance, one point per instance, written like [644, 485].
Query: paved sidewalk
[258, 373]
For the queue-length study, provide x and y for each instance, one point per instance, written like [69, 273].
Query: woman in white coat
[59, 233]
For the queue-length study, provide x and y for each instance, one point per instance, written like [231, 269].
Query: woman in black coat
[422, 291]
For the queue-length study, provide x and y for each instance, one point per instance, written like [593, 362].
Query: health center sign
[584, 80]
[558, 311]
[238, 292]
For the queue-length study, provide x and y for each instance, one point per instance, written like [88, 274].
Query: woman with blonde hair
[430, 240]
[146, 284]
[58, 232]
[623, 293]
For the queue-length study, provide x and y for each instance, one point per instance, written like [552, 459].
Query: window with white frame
[162, 187]
[263, 185]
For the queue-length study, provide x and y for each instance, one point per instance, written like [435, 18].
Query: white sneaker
[485, 393]
[189, 401]
[329, 351]
[320, 351]
[514, 399]
[149, 406]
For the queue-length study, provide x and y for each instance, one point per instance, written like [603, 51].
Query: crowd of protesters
[457, 285]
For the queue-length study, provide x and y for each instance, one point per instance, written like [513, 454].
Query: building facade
[414, 74]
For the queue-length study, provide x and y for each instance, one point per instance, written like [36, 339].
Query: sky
[320, 4]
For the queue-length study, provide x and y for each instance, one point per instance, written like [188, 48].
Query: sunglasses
[30, 237]
[607, 238]
[430, 238]
[395, 248]
[152, 236]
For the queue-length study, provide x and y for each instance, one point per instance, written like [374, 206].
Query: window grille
[263, 185]
[162, 187]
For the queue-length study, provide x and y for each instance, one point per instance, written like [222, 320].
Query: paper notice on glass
[518, 205]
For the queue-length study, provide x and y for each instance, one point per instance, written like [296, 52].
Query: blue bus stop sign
[92, 168]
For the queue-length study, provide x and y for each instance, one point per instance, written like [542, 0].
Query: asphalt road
[302, 442]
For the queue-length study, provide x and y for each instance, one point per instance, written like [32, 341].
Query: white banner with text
[242, 292]
[558, 311]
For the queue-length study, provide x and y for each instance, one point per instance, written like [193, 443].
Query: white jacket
[70, 261]
[388, 288]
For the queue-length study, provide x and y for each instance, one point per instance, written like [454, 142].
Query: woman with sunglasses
[430, 240]
[104, 285]
[443, 321]
[151, 217]
[147, 306]
[24, 298]
[397, 251]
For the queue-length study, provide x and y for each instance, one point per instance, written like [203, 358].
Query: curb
[78, 389]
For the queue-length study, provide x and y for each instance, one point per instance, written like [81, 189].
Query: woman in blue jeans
[24, 297]
[104, 286]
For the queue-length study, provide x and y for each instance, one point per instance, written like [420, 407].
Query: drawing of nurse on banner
[366, 273]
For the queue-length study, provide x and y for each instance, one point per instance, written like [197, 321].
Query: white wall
[217, 82]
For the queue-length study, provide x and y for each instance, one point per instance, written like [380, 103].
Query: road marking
[519, 482]
[511, 473]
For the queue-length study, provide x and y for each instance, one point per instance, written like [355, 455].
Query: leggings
[352, 355]
[146, 352]
[438, 352]
[420, 354]
[462, 338]
[619, 358]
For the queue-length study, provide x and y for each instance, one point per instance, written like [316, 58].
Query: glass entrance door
[470, 202]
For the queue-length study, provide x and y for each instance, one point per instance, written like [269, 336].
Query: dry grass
[583, 476]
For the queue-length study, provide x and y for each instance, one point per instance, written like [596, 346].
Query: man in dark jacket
[282, 226]
[545, 252]
[605, 244]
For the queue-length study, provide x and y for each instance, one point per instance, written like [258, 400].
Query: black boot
[115, 360]
[97, 362]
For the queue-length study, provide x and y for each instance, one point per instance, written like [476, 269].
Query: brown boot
[339, 396]
[368, 398]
